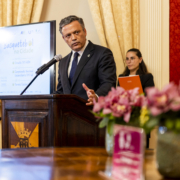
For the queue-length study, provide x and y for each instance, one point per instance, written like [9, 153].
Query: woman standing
[136, 66]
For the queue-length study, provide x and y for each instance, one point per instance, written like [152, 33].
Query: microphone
[45, 67]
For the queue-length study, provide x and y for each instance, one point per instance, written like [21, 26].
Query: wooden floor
[62, 163]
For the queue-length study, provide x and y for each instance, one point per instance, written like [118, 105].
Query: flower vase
[109, 142]
[168, 153]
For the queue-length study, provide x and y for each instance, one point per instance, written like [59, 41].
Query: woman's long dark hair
[142, 66]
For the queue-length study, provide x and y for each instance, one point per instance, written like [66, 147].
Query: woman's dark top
[146, 80]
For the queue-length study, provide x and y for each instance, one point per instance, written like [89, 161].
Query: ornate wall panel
[175, 41]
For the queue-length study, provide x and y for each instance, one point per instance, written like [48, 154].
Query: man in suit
[89, 71]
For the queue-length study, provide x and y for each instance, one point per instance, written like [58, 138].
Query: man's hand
[91, 95]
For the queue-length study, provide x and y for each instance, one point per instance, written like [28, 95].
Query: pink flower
[171, 90]
[157, 101]
[107, 111]
[122, 110]
[119, 102]
[175, 105]
[98, 105]
[135, 98]
[127, 116]
[162, 101]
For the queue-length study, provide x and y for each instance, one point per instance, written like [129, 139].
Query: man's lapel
[65, 78]
[88, 52]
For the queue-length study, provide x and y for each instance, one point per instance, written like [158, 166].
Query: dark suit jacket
[96, 69]
[146, 80]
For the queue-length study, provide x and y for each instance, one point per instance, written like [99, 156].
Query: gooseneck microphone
[43, 68]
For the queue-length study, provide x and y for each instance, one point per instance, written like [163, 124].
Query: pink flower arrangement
[119, 104]
[130, 108]
[163, 101]
[162, 107]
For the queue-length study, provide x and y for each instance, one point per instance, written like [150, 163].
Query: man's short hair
[70, 19]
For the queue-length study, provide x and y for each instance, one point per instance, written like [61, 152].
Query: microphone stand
[43, 68]
[29, 84]
[39, 71]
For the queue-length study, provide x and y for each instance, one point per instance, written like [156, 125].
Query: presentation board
[23, 49]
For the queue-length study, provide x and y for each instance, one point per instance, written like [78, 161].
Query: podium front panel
[49, 120]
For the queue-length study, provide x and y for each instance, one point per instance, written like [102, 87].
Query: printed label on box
[128, 153]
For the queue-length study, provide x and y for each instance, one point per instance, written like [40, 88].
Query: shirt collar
[82, 50]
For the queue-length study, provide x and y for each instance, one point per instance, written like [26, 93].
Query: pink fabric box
[128, 153]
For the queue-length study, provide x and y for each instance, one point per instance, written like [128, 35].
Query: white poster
[23, 49]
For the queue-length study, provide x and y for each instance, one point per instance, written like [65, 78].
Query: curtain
[13, 12]
[117, 25]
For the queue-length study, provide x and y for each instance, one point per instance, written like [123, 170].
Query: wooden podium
[48, 120]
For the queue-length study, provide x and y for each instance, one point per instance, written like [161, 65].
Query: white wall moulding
[154, 43]
[154, 38]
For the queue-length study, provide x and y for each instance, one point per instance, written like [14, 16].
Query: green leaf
[110, 127]
[152, 123]
[177, 124]
[169, 123]
[111, 117]
[104, 122]
[149, 125]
